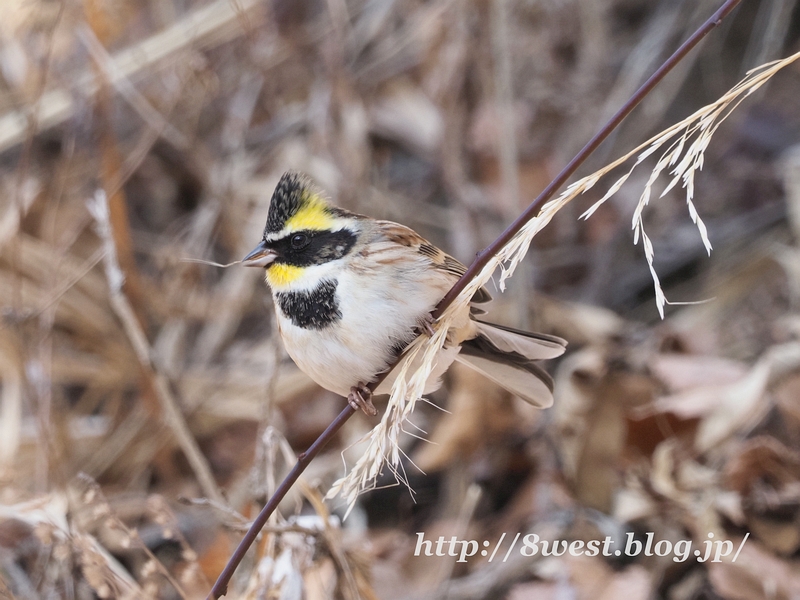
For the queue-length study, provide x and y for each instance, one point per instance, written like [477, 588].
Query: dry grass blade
[51, 522]
[435, 115]
[216, 22]
[98, 207]
[683, 158]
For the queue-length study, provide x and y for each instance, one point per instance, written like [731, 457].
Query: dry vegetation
[142, 422]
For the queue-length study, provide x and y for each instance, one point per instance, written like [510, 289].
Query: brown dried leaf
[782, 538]
[480, 412]
[687, 371]
[762, 459]
[756, 575]
[541, 590]
[786, 394]
[634, 583]
[594, 579]
[740, 403]
[593, 394]
[581, 324]
[405, 114]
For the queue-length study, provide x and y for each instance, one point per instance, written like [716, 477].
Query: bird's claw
[360, 397]
[425, 325]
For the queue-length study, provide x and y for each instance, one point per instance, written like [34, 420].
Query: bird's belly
[375, 321]
[325, 357]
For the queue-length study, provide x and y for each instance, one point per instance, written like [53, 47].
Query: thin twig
[483, 258]
[508, 153]
[470, 502]
[41, 393]
[209, 25]
[303, 460]
[332, 540]
[124, 311]
[92, 493]
[382, 442]
[135, 99]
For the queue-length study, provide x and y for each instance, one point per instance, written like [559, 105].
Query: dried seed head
[382, 443]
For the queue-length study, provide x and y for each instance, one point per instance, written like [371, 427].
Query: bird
[351, 292]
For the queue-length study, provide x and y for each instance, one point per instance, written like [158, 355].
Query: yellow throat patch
[279, 275]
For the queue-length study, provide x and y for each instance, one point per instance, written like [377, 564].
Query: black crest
[286, 200]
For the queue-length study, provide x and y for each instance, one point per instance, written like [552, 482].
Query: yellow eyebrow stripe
[312, 215]
[280, 275]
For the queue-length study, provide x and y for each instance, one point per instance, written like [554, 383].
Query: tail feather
[506, 356]
[533, 346]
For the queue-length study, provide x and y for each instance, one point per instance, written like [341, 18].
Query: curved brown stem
[221, 585]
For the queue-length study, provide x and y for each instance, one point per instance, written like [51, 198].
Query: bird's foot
[361, 397]
[425, 325]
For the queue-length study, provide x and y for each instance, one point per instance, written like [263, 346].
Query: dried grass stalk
[99, 209]
[684, 156]
[209, 25]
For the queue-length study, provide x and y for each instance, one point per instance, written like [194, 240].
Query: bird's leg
[361, 397]
[425, 325]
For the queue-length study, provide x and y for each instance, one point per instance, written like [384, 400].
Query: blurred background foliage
[449, 117]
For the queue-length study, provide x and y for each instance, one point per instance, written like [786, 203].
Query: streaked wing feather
[440, 260]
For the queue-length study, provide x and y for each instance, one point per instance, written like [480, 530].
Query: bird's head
[303, 231]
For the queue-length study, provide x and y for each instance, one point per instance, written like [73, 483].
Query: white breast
[380, 308]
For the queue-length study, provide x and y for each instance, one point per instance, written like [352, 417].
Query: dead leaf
[541, 590]
[756, 575]
[634, 583]
[762, 459]
[405, 114]
[781, 537]
[681, 372]
[480, 412]
[589, 413]
[740, 403]
[594, 579]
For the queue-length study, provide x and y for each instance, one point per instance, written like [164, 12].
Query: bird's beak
[260, 257]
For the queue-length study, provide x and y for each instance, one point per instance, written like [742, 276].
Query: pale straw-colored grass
[683, 157]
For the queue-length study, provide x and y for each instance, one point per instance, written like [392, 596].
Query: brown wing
[440, 260]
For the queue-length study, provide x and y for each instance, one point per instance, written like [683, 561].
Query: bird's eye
[300, 240]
